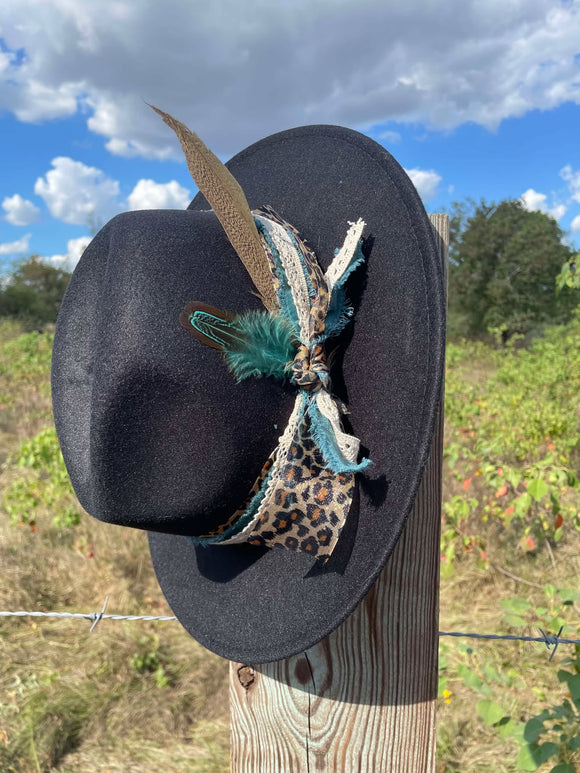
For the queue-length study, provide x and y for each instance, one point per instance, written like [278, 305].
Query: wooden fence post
[364, 699]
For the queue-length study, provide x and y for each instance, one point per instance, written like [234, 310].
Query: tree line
[510, 270]
[504, 268]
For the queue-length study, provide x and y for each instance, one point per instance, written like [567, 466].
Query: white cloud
[6, 59]
[573, 180]
[20, 211]
[78, 194]
[75, 248]
[17, 247]
[84, 195]
[558, 211]
[575, 225]
[534, 201]
[390, 137]
[148, 194]
[426, 181]
[236, 71]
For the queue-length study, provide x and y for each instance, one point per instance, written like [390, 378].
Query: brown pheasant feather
[229, 203]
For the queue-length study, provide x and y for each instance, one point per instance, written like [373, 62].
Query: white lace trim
[348, 444]
[290, 259]
[343, 257]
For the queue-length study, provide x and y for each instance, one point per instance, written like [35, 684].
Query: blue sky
[474, 98]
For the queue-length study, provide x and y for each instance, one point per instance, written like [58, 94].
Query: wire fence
[552, 641]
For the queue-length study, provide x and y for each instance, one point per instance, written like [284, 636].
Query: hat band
[302, 497]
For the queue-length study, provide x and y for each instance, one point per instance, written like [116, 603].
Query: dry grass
[145, 695]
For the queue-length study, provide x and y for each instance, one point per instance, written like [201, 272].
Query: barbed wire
[550, 640]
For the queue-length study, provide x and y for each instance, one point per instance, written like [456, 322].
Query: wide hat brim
[245, 603]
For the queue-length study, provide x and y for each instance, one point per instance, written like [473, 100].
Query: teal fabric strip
[340, 310]
[284, 293]
[242, 521]
[323, 435]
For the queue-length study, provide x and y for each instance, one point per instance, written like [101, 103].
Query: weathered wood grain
[363, 700]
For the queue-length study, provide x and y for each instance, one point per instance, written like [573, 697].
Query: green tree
[459, 213]
[569, 275]
[503, 269]
[33, 292]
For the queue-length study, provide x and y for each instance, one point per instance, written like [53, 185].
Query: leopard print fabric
[308, 504]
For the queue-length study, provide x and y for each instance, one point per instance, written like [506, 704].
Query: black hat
[157, 434]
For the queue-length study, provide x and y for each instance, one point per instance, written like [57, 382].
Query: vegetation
[511, 529]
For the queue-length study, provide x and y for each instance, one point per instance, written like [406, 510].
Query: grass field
[146, 697]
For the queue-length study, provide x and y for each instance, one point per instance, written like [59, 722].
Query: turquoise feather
[255, 343]
[268, 347]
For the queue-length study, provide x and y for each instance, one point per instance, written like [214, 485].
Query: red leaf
[466, 483]
[501, 492]
[559, 521]
[530, 542]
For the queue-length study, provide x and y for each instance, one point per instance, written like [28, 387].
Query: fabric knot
[309, 369]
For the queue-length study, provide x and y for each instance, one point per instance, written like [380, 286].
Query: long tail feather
[229, 203]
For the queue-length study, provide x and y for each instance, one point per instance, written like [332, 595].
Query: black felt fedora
[157, 434]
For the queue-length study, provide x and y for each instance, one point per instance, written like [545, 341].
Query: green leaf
[492, 674]
[537, 489]
[513, 477]
[569, 594]
[490, 711]
[515, 604]
[550, 590]
[473, 680]
[563, 768]
[522, 503]
[507, 727]
[547, 750]
[574, 686]
[574, 743]
[534, 727]
[527, 759]
[515, 621]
